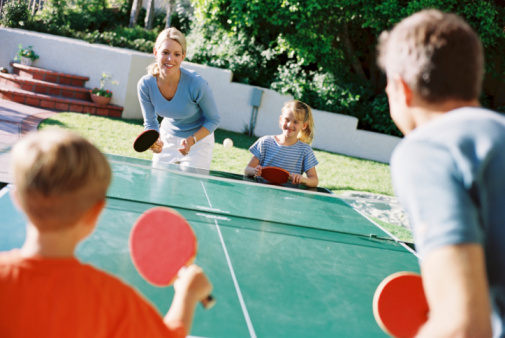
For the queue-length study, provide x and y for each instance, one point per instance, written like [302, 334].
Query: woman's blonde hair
[302, 112]
[171, 33]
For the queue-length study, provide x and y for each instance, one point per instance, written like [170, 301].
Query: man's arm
[455, 283]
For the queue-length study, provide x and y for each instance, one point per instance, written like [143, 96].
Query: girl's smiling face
[169, 57]
[290, 125]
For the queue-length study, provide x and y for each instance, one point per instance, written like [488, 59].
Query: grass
[337, 173]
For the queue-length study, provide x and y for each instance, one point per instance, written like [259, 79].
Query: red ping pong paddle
[399, 304]
[275, 175]
[145, 140]
[161, 243]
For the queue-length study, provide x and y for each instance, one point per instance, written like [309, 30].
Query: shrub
[15, 14]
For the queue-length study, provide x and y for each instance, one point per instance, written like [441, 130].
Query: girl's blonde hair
[171, 33]
[302, 113]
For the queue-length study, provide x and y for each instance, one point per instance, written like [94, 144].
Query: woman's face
[169, 57]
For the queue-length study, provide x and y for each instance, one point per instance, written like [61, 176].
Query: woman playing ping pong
[290, 150]
[185, 102]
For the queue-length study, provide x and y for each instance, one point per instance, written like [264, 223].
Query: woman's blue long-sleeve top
[192, 106]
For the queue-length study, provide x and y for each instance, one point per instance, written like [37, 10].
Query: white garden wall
[334, 132]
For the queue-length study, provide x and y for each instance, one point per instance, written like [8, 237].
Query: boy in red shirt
[60, 183]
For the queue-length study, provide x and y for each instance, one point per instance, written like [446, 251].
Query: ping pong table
[284, 262]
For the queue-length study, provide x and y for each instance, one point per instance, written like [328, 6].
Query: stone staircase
[52, 90]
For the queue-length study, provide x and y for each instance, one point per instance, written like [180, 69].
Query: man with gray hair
[449, 171]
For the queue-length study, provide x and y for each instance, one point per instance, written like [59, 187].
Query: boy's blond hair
[58, 177]
[437, 54]
[302, 112]
[171, 33]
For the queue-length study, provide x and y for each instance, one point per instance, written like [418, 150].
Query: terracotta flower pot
[101, 100]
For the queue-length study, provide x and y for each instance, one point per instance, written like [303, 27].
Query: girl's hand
[296, 178]
[257, 170]
[157, 146]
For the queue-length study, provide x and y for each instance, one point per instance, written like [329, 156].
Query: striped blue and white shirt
[192, 107]
[297, 158]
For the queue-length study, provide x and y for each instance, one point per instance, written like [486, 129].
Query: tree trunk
[349, 52]
[34, 7]
[134, 15]
[170, 8]
[149, 15]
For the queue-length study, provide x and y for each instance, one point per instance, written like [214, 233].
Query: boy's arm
[191, 287]
[455, 283]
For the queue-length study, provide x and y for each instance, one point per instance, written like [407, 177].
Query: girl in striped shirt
[290, 150]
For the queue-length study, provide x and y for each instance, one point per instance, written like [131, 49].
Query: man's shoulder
[460, 124]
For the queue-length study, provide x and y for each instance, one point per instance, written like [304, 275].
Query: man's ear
[406, 90]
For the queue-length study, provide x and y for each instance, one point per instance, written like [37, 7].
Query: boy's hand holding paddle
[163, 247]
[192, 284]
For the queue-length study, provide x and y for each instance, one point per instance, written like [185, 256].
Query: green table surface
[284, 261]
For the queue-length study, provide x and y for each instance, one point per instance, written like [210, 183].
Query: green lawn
[336, 172]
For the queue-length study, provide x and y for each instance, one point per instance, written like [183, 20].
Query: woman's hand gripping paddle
[145, 140]
[275, 175]
[161, 243]
[399, 304]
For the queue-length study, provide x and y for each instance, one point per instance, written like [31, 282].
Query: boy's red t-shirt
[41, 297]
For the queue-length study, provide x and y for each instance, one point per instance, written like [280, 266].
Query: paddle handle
[208, 302]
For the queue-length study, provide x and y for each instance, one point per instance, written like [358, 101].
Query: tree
[324, 51]
[149, 15]
[134, 15]
[170, 10]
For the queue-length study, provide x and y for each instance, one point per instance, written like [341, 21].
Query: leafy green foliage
[320, 51]
[82, 15]
[323, 52]
[15, 14]
[26, 53]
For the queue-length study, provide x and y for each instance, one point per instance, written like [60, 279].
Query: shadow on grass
[52, 123]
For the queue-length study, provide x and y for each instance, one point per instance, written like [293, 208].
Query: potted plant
[26, 55]
[100, 95]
